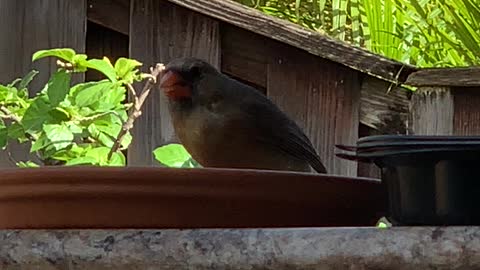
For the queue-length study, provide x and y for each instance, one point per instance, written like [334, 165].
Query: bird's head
[181, 77]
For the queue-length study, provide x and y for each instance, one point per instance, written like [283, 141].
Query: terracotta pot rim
[134, 170]
[149, 197]
[148, 182]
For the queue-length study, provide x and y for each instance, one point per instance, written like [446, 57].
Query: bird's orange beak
[174, 86]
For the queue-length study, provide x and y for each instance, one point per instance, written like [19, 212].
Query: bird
[224, 123]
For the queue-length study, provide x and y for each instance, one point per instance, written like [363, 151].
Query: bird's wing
[277, 130]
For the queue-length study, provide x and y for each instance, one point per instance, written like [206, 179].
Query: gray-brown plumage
[225, 123]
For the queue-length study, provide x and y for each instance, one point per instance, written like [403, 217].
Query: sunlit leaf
[59, 134]
[58, 87]
[62, 53]
[171, 155]
[104, 66]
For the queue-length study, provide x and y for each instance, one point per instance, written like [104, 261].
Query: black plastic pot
[431, 180]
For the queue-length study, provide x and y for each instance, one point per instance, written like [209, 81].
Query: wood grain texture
[432, 111]
[159, 32]
[383, 110]
[322, 97]
[445, 77]
[28, 26]
[245, 54]
[297, 36]
[467, 111]
[113, 14]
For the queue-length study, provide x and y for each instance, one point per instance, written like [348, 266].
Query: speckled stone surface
[323, 248]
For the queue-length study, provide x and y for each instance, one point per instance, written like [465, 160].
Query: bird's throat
[178, 92]
[174, 86]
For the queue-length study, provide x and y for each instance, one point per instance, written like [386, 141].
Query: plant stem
[135, 111]
[12, 116]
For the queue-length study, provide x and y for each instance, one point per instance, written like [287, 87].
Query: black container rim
[417, 144]
[408, 138]
[383, 152]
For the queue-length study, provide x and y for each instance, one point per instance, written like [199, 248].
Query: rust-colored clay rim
[147, 197]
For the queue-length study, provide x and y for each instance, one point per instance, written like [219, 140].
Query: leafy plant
[81, 124]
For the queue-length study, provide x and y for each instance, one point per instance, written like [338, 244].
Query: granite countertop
[322, 248]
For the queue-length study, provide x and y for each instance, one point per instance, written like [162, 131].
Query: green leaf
[118, 159]
[39, 144]
[58, 115]
[100, 154]
[171, 155]
[89, 93]
[127, 140]
[60, 135]
[74, 128]
[103, 138]
[36, 114]
[28, 164]
[112, 99]
[383, 223]
[27, 79]
[70, 153]
[4, 90]
[87, 160]
[104, 66]
[62, 53]
[15, 131]
[191, 163]
[3, 135]
[58, 87]
[126, 69]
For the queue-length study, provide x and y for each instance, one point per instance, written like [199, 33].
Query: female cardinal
[224, 123]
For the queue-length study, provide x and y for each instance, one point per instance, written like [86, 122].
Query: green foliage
[69, 124]
[76, 124]
[174, 155]
[426, 33]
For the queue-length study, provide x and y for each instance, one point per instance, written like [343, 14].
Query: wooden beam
[462, 77]
[322, 97]
[245, 54]
[302, 38]
[466, 111]
[432, 111]
[386, 111]
[112, 14]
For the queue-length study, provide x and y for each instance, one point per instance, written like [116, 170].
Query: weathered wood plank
[466, 111]
[161, 31]
[244, 54]
[445, 77]
[35, 25]
[297, 36]
[432, 111]
[324, 101]
[383, 110]
[113, 14]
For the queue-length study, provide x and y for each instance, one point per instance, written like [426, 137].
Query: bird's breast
[229, 142]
